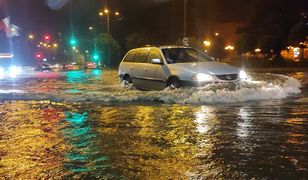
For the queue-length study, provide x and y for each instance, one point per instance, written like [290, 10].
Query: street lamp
[107, 12]
[207, 43]
[31, 36]
[229, 48]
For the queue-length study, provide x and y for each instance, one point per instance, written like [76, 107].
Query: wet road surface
[84, 125]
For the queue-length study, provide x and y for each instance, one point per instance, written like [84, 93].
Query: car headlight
[14, 71]
[202, 77]
[243, 75]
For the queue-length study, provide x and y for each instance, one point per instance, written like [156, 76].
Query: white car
[174, 66]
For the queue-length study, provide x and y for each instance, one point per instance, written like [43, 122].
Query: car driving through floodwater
[175, 66]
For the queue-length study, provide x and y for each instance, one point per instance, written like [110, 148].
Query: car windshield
[185, 55]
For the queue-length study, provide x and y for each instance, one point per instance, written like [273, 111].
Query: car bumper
[199, 84]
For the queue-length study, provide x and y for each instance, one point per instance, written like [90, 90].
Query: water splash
[264, 87]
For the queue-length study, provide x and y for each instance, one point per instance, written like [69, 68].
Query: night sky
[161, 18]
[151, 15]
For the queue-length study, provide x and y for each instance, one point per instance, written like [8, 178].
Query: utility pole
[185, 39]
[185, 19]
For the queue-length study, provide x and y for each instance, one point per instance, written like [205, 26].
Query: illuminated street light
[55, 45]
[217, 34]
[31, 36]
[229, 48]
[107, 12]
[257, 50]
[90, 28]
[207, 43]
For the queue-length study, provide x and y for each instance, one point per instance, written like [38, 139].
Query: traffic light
[73, 41]
[47, 37]
[39, 56]
[95, 56]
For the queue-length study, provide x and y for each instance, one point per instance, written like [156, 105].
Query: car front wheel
[174, 83]
[127, 80]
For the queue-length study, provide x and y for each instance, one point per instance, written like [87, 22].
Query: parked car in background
[175, 66]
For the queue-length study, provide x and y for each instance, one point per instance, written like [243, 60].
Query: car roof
[159, 47]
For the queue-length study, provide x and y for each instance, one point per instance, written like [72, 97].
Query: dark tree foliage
[244, 43]
[298, 33]
[110, 49]
[270, 45]
[270, 17]
[136, 40]
[217, 49]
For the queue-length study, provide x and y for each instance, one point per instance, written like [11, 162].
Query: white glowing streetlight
[31, 36]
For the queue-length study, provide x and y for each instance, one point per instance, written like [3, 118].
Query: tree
[137, 40]
[298, 34]
[217, 48]
[269, 17]
[110, 48]
[244, 43]
[270, 45]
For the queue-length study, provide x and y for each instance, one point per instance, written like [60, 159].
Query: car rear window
[141, 56]
[130, 56]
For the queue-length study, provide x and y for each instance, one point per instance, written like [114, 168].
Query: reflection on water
[244, 123]
[41, 140]
[83, 155]
[76, 76]
[29, 144]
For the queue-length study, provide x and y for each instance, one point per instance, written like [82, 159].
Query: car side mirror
[156, 61]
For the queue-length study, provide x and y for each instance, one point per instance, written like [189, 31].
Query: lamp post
[107, 13]
[185, 19]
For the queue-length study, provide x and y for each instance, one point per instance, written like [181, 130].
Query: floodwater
[85, 125]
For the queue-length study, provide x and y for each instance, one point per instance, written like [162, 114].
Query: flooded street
[80, 124]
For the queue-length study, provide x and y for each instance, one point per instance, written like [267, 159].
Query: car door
[138, 70]
[154, 72]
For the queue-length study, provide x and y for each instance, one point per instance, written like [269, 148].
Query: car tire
[127, 80]
[174, 83]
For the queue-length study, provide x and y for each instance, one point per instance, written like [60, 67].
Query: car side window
[141, 56]
[130, 56]
[154, 54]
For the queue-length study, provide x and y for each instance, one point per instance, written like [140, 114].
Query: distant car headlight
[202, 77]
[14, 71]
[243, 75]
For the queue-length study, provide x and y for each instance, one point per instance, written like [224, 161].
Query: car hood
[213, 68]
